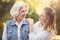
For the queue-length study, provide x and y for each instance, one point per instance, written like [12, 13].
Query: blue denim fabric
[12, 30]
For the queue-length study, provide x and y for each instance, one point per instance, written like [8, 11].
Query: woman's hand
[31, 22]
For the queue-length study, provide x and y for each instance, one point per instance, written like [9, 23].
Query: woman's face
[42, 17]
[22, 12]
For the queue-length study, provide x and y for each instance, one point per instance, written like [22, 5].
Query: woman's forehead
[23, 7]
[42, 12]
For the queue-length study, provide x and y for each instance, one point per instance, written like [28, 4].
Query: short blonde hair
[15, 9]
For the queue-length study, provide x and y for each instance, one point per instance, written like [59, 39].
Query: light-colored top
[39, 33]
[19, 26]
[4, 36]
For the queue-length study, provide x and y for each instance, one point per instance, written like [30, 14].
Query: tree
[5, 6]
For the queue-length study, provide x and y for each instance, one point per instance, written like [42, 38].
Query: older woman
[18, 27]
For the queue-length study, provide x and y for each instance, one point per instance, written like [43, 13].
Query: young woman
[45, 28]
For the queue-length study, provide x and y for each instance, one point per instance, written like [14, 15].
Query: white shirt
[19, 26]
[40, 34]
[36, 29]
[4, 36]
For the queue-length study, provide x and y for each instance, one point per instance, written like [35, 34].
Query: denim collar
[24, 21]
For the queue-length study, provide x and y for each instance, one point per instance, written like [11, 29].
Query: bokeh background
[35, 7]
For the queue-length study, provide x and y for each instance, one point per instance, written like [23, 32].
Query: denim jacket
[11, 28]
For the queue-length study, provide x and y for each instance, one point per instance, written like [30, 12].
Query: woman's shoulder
[11, 21]
[36, 24]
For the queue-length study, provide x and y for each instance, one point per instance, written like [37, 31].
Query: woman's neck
[18, 21]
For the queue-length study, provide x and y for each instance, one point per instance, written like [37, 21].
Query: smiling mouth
[23, 16]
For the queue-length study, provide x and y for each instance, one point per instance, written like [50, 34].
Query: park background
[35, 7]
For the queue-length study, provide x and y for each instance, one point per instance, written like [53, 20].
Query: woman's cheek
[42, 18]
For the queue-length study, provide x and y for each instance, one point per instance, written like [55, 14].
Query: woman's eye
[22, 11]
[41, 15]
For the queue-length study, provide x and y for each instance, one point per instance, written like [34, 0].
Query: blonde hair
[50, 18]
[15, 9]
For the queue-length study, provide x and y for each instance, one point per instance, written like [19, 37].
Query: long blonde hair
[50, 18]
